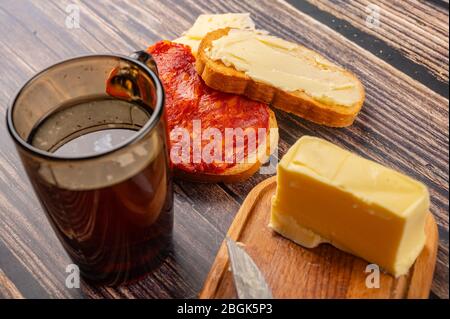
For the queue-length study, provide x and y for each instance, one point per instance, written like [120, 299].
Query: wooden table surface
[402, 61]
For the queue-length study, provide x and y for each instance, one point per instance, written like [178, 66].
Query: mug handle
[124, 83]
[145, 58]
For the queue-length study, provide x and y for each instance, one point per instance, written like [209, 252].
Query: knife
[248, 279]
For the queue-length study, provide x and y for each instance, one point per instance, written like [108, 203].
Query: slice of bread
[206, 23]
[227, 79]
[241, 171]
[189, 99]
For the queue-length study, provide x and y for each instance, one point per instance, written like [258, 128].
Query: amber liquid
[118, 232]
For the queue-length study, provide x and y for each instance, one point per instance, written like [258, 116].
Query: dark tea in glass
[99, 162]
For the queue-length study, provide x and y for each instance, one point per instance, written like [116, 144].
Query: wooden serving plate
[322, 272]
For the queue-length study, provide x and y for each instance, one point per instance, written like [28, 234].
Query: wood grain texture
[7, 288]
[403, 124]
[292, 271]
[417, 29]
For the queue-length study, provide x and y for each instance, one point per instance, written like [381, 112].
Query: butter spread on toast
[286, 65]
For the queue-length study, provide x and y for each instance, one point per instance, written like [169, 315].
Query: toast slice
[206, 23]
[225, 78]
[189, 99]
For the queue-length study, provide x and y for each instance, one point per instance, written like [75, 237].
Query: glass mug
[92, 136]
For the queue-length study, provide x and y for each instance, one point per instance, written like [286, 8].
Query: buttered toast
[284, 74]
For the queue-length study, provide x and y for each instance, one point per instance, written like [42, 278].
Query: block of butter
[206, 23]
[327, 194]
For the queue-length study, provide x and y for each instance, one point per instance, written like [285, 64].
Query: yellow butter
[206, 23]
[327, 194]
[287, 66]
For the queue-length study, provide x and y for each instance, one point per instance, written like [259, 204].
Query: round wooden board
[323, 272]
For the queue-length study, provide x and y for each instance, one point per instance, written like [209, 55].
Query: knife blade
[248, 279]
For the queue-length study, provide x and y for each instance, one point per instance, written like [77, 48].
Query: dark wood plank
[418, 29]
[403, 125]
